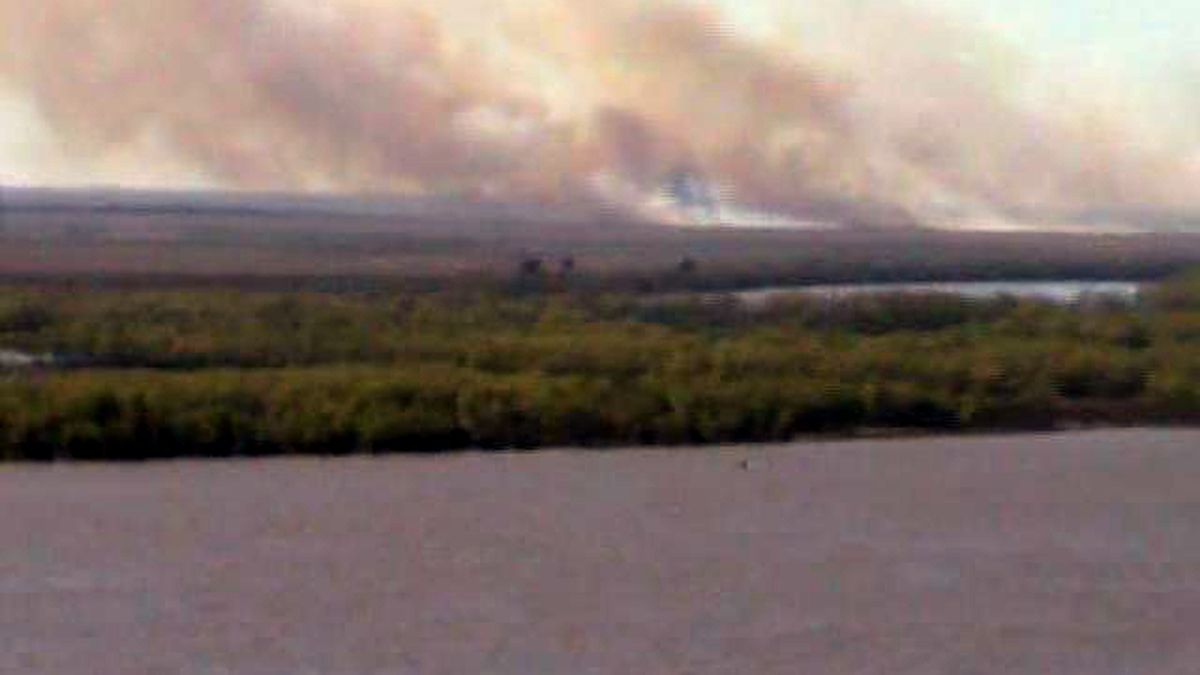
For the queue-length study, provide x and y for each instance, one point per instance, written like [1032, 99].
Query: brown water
[1022, 554]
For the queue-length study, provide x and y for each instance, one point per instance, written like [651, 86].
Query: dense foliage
[142, 374]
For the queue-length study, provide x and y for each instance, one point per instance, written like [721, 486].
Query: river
[1069, 554]
[1060, 292]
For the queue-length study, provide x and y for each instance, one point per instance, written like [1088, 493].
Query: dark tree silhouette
[531, 266]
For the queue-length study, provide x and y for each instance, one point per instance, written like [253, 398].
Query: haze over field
[935, 109]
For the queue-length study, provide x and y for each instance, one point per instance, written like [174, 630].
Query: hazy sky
[1139, 36]
[1113, 70]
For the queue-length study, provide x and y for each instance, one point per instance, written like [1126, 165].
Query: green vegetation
[216, 373]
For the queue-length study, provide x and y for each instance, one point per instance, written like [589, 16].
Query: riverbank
[159, 375]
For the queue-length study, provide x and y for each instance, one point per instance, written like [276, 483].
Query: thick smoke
[567, 100]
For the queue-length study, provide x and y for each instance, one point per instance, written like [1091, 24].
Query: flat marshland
[187, 242]
[1075, 553]
[118, 374]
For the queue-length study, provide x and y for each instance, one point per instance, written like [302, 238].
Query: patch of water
[1060, 292]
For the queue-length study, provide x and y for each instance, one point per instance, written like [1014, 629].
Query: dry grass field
[284, 247]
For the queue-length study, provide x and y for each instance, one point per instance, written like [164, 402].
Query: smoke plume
[553, 101]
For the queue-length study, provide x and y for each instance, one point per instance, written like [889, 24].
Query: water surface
[1061, 292]
[1066, 554]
